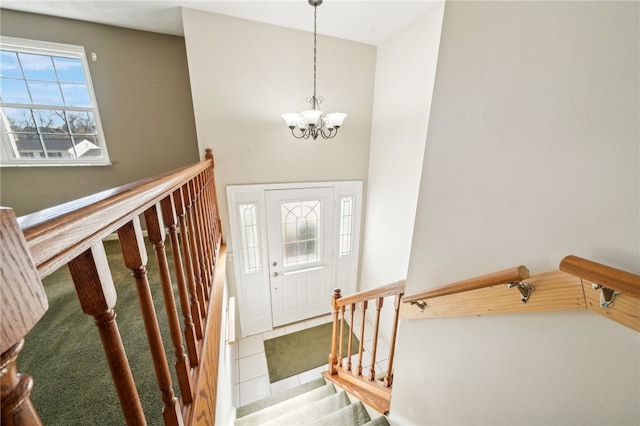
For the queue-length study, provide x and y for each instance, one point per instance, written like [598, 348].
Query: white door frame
[252, 272]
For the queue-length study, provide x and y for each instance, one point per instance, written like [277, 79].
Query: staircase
[315, 403]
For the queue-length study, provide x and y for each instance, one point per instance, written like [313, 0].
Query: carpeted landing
[316, 403]
[303, 350]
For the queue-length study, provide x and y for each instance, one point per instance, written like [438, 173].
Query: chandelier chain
[315, 53]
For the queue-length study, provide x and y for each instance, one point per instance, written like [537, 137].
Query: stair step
[378, 421]
[286, 406]
[306, 413]
[351, 415]
[258, 405]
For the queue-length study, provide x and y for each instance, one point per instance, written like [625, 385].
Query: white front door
[311, 231]
[300, 227]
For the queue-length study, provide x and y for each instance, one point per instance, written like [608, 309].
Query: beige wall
[533, 153]
[402, 102]
[143, 93]
[245, 74]
[403, 92]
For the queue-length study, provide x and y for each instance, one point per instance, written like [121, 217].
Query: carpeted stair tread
[351, 415]
[378, 421]
[282, 408]
[279, 397]
[309, 412]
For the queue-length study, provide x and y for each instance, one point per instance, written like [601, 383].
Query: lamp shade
[336, 118]
[292, 119]
[311, 116]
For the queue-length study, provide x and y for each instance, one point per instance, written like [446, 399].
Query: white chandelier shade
[313, 119]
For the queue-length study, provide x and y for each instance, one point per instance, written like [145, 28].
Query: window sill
[65, 164]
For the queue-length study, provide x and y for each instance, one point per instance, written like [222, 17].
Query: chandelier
[311, 123]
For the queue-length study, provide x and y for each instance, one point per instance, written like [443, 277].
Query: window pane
[50, 121]
[20, 119]
[28, 145]
[69, 70]
[76, 95]
[87, 146]
[37, 67]
[45, 93]
[249, 234]
[58, 146]
[9, 65]
[346, 219]
[300, 231]
[81, 122]
[14, 91]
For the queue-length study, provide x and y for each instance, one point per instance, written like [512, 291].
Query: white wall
[402, 102]
[532, 154]
[245, 74]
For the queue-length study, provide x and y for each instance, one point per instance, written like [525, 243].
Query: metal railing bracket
[607, 295]
[420, 304]
[525, 289]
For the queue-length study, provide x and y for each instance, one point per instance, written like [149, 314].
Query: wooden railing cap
[383, 291]
[606, 276]
[506, 276]
[58, 234]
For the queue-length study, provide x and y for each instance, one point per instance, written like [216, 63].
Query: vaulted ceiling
[370, 22]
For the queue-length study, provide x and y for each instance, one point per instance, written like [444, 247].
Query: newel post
[333, 356]
[23, 302]
[214, 195]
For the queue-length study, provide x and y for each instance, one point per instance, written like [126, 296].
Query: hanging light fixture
[311, 123]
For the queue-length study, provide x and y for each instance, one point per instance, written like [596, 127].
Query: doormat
[303, 350]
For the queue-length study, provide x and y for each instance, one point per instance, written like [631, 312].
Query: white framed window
[248, 216]
[346, 226]
[48, 108]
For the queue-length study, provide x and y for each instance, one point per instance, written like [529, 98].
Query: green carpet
[64, 355]
[303, 350]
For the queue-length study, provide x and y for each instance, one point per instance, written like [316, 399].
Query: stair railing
[364, 384]
[34, 246]
[514, 275]
[608, 291]
[579, 284]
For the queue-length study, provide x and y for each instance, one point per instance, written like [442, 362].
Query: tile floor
[252, 376]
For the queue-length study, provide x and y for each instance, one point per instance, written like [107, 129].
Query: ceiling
[365, 21]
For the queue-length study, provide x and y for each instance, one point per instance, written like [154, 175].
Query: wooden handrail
[578, 284]
[384, 291]
[184, 202]
[60, 233]
[606, 276]
[506, 276]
